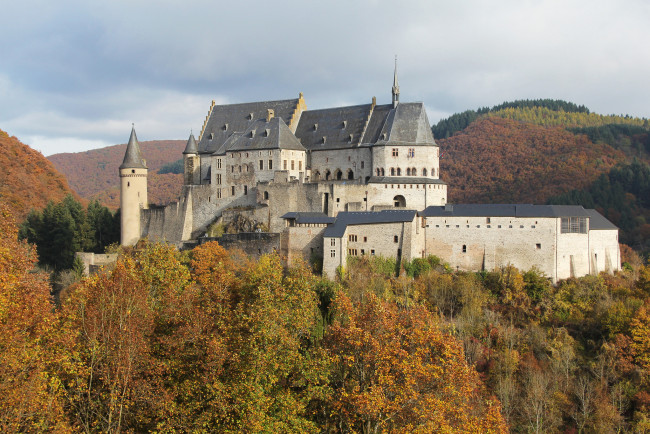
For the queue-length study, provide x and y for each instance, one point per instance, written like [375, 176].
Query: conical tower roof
[192, 147]
[133, 157]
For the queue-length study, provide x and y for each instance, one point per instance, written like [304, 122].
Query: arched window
[408, 171]
[424, 172]
[433, 172]
[339, 174]
[328, 174]
[399, 201]
[392, 171]
[266, 195]
[399, 171]
[350, 174]
[414, 171]
[316, 176]
[382, 172]
[378, 172]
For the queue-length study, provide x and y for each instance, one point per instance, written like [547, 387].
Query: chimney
[269, 114]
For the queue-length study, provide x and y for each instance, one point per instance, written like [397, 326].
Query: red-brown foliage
[27, 179]
[505, 161]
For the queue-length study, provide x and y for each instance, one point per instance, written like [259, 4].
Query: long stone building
[358, 180]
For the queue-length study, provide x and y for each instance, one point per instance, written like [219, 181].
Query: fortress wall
[302, 243]
[604, 253]
[371, 239]
[572, 254]
[425, 157]
[521, 242]
[254, 244]
[344, 160]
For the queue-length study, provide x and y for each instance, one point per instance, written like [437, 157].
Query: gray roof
[133, 157]
[407, 124]
[309, 217]
[404, 180]
[597, 222]
[504, 210]
[236, 118]
[331, 128]
[345, 219]
[191, 147]
[274, 134]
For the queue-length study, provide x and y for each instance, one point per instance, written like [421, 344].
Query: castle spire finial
[395, 86]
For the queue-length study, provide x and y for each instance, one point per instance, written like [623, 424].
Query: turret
[133, 191]
[191, 163]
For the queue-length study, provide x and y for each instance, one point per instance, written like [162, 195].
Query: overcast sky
[74, 74]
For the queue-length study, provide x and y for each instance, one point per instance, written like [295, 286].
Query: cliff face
[27, 179]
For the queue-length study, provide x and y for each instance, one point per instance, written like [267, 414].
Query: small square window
[464, 248]
[396, 238]
[538, 246]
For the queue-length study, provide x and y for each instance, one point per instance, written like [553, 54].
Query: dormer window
[267, 132]
[350, 139]
[250, 116]
[225, 127]
[345, 124]
[211, 136]
[324, 139]
[315, 127]
[252, 133]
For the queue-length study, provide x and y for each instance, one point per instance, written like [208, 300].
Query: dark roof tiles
[133, 157]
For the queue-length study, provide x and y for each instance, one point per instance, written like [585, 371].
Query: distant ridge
[93, 174]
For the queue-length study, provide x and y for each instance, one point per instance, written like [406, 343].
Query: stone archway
[338, 175]
[399, 201]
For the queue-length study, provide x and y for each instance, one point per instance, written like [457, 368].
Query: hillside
[94, 174]
[497, 160]
[27, 179]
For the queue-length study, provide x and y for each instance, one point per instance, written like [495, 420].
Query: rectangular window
[396, 239]
[232, 189]
[218, 193]
[332, 242]
[293, 165]
[372, 252]
[218, 178]
[362, 252]
[270, 164]
[395, 152]
[464, 248]
[362, 164]
[573, 225]
[332, 253]
[365, 239]
[299, 165]
[487, 220]
[538, 246]
[261, 164]
[352, 238]
[245, 189]
[218, 163]
[411, 152]
[284, 164]
[352, 252]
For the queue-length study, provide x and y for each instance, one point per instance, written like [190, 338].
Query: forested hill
[94, 174]
[541, 151]
[27, 179]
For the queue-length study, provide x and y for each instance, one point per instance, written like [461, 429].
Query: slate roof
[236, 118]
[404, 180]
[345, 219]
[336, 125]
[191, 147]
[133, 157]
[309, 217]
[407, 124]
[260, 134]
[504, 210]
[597, 222]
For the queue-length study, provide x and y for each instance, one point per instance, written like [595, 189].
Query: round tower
[133, 191]
[191, 162]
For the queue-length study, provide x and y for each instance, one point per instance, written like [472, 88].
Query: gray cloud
[75, 74]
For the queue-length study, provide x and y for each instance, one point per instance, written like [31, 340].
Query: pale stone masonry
[357, 180]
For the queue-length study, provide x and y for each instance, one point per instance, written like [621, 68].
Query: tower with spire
[395, 86]
[191, 162]
[133, 191]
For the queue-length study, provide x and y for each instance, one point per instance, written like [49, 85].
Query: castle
[345, 181]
